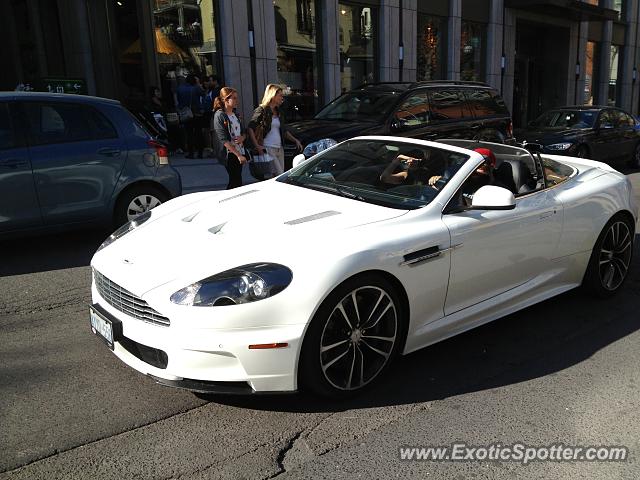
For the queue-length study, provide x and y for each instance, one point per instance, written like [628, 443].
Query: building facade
[538, 53]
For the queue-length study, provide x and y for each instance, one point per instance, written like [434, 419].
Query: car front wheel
[611, 257]
[137, 200]
[353, 337]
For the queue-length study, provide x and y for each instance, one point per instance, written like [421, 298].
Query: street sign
[64, 85]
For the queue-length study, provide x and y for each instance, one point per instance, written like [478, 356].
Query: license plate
[102, 326]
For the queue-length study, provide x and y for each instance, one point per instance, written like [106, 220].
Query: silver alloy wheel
[358, 338]
[615, 255]
[141, 204]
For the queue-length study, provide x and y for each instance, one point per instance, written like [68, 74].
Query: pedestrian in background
[229, 135]
[189, 95]
[267, 128]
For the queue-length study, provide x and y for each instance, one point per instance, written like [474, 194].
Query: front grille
[126, 302]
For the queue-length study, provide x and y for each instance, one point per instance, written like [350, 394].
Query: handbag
[185, 114]
[261, 165]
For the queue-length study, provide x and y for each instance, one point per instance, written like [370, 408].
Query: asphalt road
[564, 371]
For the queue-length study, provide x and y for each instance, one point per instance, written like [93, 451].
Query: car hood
[311, 130]
[548, 136]
[266, 222]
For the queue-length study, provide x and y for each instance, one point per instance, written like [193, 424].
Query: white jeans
[278, 159]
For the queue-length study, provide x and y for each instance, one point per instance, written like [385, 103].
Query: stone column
[266, 55]
[408, 34]
[330, 44]
[626, 83]
[494, 44]
[602, 88]
[507, 80]
[389, 41]
[236, 59]
[453, 40]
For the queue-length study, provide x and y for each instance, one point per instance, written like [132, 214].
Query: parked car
[427, 110]
[319, 278]
[70, 160]
[601, 133]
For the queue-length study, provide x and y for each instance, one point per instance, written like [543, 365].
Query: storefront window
[130, 52]
[186, 40]
[357, 35]
[589, 72]
[297, 56]
[472, 51]
[431, 39]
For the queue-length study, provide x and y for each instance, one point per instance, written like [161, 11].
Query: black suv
[427, 110]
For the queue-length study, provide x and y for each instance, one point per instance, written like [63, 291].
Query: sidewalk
[201, 174]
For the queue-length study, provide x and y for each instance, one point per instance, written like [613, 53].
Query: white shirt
[235, 130]
[272, 139]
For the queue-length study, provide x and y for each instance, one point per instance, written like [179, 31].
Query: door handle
[13, 163]
[109, 152]
[546, 214]
[476, 126]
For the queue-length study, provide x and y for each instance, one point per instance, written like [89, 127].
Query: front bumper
[208, 359]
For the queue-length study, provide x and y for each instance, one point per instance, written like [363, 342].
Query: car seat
[515, 175]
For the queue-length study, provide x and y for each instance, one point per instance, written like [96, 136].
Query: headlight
[126, 228]
[320, 145]
[559, 146]
[245, 284]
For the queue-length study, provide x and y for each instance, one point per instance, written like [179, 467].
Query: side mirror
[298, 159]
[491, 197]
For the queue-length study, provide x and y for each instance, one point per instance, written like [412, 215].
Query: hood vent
[190, 217]
[311, 218]
[236, 196]
[217, 228]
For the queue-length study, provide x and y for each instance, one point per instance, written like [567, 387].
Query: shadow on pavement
[49, 252]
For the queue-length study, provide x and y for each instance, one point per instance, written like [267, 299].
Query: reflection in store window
[430, 38]
[357, 39]
[613, 75]
[472, 51]
[589, 72]
[297, 56]
[185, 33]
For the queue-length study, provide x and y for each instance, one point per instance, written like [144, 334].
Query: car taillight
[161, 151]
[509, 128]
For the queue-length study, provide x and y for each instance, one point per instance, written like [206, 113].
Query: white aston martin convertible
[375, 247]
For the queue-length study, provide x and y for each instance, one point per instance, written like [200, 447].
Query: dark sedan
[601, 133]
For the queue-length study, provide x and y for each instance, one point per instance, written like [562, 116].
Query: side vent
[311, 218]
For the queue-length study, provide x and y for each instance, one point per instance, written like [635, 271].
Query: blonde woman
[267, 128]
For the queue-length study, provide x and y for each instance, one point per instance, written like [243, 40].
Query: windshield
[392, 174]
[368, 106]
[566, 118]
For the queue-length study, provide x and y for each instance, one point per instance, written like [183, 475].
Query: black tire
[634, 161]
[357, 356]
[582, 152]
[611, 258]
[141, 198]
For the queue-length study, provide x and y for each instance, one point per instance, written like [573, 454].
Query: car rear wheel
[353, 337]
[137, 200]
[611, 257]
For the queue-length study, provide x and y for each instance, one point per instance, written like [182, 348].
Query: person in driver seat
[483, 175]
[410, 169]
